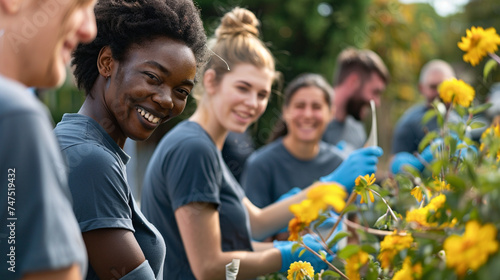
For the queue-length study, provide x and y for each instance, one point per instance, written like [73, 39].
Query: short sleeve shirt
[272, 171]
[38, 229]
[351, 131]
[101, 194]
[187, 167]
[409, 130]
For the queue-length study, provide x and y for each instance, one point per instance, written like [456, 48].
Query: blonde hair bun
[238, 21]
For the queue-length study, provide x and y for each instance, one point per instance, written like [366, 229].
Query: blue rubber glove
[360, 162]
[287, 257]
[326, 226]
[404, 158]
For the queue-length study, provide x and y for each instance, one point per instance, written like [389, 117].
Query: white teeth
[148, 116]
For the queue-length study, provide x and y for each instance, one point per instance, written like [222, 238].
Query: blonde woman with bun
[189, 193]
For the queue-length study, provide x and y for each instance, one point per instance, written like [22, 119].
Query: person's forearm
[252, 264]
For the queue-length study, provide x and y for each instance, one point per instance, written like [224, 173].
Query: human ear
[105, 62]
[11, 6]
[209, 81]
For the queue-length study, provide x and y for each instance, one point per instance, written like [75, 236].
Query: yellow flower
[441, 186]
[408, 272]
[478, 44]
[328, 194]
[300, 269]
[372, 198]
[471, 250]
[489, 142]
[392, 245]
[417, 193]
[319, 198]
[354, 263]
[306, 211]
[420, 215]
[369, 180]
[456, 91]
[294, 227]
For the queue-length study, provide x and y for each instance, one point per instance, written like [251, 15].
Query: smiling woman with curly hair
[137, 74]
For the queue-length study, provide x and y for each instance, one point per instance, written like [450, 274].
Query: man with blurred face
[40, 238]
[360, 76]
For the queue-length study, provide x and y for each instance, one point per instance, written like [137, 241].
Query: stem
[350, 200]
[388, 207]
[495, 57]
[378, 232]
[323, 241]
[327, 262]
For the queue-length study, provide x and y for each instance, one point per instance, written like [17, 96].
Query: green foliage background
[307, 35]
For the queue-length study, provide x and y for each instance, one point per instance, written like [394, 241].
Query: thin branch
[378, 232]
[351, 199]
[327, 262]
[388, 207]
[495, 57]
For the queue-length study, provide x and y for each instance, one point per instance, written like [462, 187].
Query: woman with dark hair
[136, 74]
[296, 156]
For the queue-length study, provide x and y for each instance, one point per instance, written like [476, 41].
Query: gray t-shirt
[351, 131]
[98, 183]
[39, 230]
[409, 130]
[272, 171]
[187, 167]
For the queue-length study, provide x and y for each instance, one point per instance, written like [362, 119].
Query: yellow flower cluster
[392, 245]
[417, 193]
[441, 186]
[471, 250]
[299, 270]
[409, 272]
[456, 91]
[478, 43]
[490, 134]
[420, 215]
[319, 198]
[354, 263]
[365, 181]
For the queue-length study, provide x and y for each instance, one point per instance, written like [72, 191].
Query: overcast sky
[442, 7]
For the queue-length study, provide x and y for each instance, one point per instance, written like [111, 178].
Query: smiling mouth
[148, 116]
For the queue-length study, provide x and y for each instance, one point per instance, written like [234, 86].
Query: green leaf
[295, 247]
[329, 274]
[381, 221]
[480, 108]
[475, 125]
[302, 252]
[350, 208]
[427, 140]
[428, 116]
[348, 251]
[369, 249]
[490, 65]
[337, 238]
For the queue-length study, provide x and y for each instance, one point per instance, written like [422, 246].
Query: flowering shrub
[440, 223]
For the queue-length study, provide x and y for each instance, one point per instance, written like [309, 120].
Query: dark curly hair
[123, 23]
